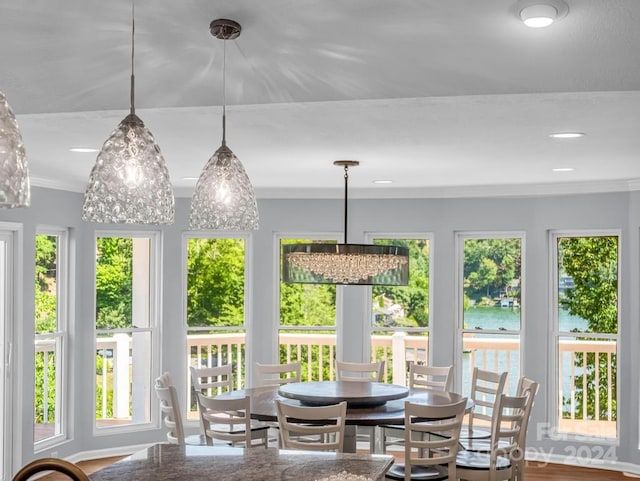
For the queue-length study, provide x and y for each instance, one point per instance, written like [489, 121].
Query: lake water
[504, 318]
[509, 319]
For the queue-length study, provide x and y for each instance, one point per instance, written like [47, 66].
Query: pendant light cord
[346, 184]
[133, 34]
[224, 93]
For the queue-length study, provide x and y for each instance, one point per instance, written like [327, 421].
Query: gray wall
[534, 216]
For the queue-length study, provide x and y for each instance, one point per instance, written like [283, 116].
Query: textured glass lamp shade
[361, 264]
[129, 184]
[14, 174]
[224, 197]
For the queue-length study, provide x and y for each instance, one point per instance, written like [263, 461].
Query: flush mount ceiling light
[224, 197]
[129, 184]
[361, 264]
[541, 13]
[15, 189]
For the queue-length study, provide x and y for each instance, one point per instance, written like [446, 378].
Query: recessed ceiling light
[563, 169]
[566, 135]
[82, 149]
[383, 181]
[538, 16]
[189, 178]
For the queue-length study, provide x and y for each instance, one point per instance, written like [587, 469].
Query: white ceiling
[445, 98]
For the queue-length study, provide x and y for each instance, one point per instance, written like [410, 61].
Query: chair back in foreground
[230, 420]
[486, 389]
[277, 374]
[528, 388]
[431, 440]
[314, 428]
[497, 464]
[51, 464]
[170, 408]
[438, 378]
[359, 371]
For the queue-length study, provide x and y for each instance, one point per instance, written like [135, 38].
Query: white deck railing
[316, 351]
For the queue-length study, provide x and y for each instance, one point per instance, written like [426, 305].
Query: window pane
[215, 308]
[125, 339]
[491, 280]
[310, 308]
[588, 284]
[215, 282]
[492, 284]
[48, 341]
[587, 302]
[398, 309]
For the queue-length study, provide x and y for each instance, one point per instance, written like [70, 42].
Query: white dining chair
[210, 381]
[312, 428]
[362, 372]
[527, 388]
[171, 412]
[229, 420]
[436, 378]
[496, 464]
[431, 444]
[486, 388]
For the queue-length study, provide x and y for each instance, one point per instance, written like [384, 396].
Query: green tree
[492, 267]
[415, 296]
[215, 282]
[114, 274]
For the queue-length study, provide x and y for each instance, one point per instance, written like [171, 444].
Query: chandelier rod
[133, 34]
[346, 195]
[224, 91]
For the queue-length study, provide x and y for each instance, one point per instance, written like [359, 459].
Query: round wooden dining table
[376, 412]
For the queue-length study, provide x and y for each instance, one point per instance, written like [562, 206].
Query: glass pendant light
[129, 184]
[14, 174]
[224, 197]
[360, 264]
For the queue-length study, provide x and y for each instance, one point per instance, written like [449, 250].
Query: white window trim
[63, 282]
[554, 328]
[155, 322]
[460, 237]
[368, 309]
[10, 367]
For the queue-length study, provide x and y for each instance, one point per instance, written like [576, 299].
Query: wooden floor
[534, 471]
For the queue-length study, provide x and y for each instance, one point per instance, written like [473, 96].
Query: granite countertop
[173, 462]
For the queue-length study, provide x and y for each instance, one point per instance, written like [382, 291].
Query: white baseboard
[107, 453]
